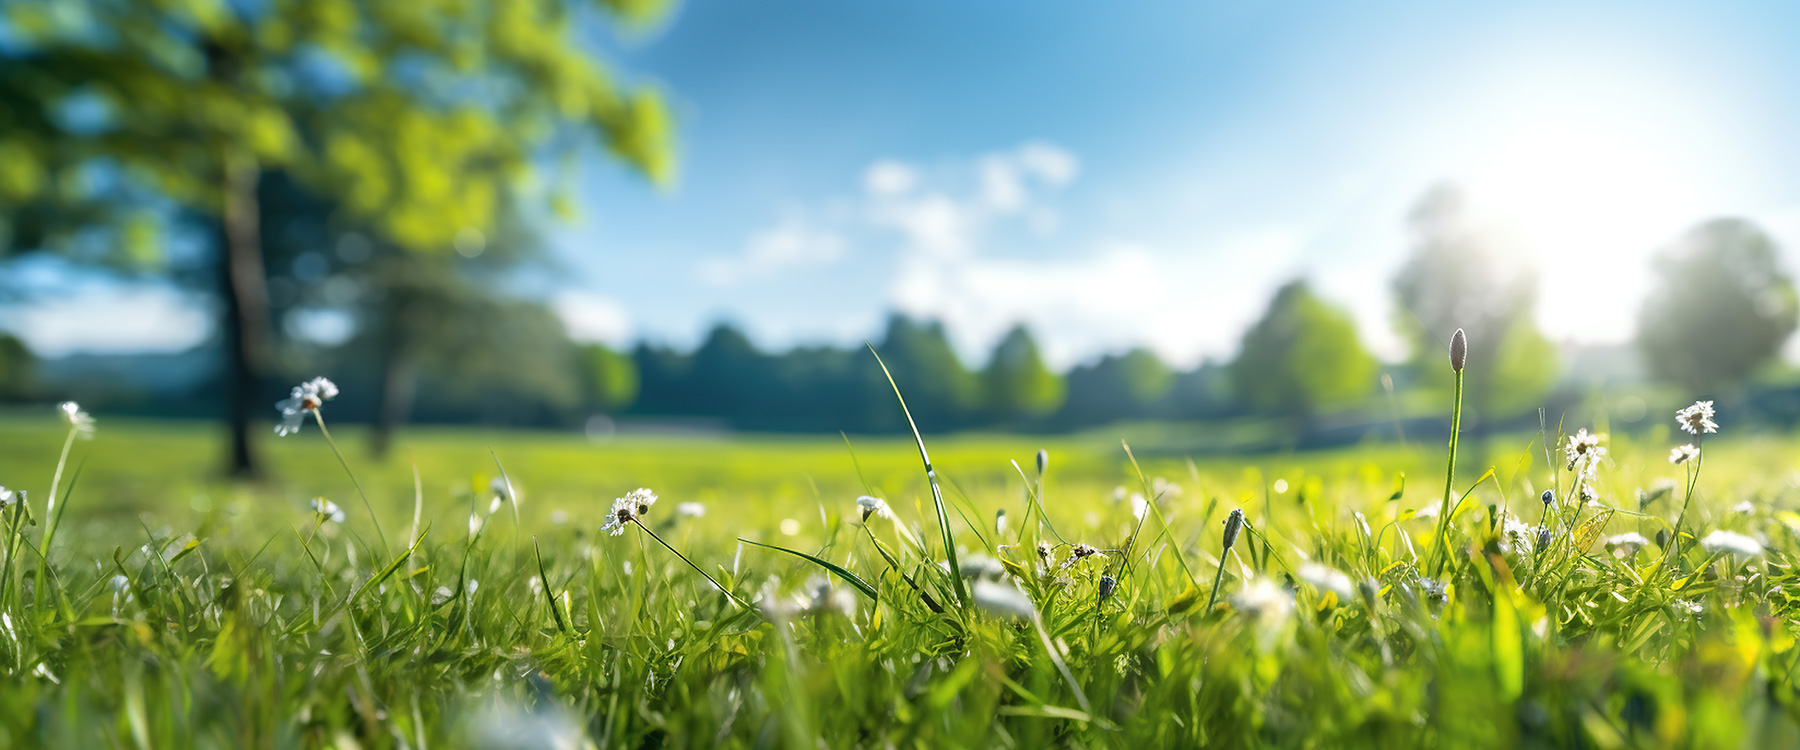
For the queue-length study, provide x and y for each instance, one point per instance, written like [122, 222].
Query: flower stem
[709, 579]
[320, 418]
[1443, 536]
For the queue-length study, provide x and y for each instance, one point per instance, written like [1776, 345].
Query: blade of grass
[937, 493]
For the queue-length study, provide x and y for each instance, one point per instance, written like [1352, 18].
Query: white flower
[1326, 578]
[1682, 454]
[1518, 535]
[1002, 599]
[1139, 506]
[501, 489]
[1000, 522]
[1689, 608]
[7, 497]
[1628, 543]
[1697, 419]
[979, 566]
[873, 506]
[475, 524]
[690, 510]
[327, 509]
[1362, 525]
[77, 419]
[1429, 511]
[1583, 453]
[628, 509]
[1165, 488]
[823, 598]
[1721, 542]
[1746, 507]
[1262, 598]
[1590, 495]
[305, 397]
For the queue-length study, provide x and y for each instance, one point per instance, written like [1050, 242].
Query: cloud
[792, 243]
[1007, 184]
[592, 317]
[111, 318]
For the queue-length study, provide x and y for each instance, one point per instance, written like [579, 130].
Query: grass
[178, 611]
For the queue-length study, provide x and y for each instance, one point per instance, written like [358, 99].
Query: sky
[1125, 174]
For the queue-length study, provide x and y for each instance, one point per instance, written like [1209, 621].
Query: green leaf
[835, 569]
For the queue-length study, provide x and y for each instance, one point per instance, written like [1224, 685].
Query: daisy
[873, 506]
[1697, 419]
[1682, 454]
[7, 497]
[326, 509]
[628, 509]
[77, 419]
[306, 397]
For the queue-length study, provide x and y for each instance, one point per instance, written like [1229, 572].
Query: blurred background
[1236, 227]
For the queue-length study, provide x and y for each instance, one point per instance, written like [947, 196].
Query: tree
[940, 392]
[18, 369]
[1460, 276]
[1016, 386]
[417, 123]
[611, 379]
[1722, 306]
[1303, 357]
[1118, 386]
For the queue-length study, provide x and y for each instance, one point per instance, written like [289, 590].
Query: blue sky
[1120, 174]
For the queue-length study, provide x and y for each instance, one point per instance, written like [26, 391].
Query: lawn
[177, 610]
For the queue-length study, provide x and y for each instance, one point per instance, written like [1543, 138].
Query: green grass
[181, 611]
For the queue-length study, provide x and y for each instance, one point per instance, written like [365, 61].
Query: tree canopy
[1721, 306]
[1303, 357]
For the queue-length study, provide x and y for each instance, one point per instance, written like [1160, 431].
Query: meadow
[1095, 599]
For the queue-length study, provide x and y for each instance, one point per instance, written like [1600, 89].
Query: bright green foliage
[1016, 385]
[611, 378]
[1303, 357]
[236, 618]
[418, 118]
[1118, 386]
[1722, 306]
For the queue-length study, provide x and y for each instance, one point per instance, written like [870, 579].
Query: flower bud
[1459, 350]
[1233, 524]
[1107, 583]
[1548, 497]
[1043, 459]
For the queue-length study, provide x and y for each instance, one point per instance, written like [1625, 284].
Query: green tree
[18, 368]
[1303, 357]
[417, 119]
[1722, 305]
[611, 379]
[940, 392]
[1016, 386]
[1459, 276]
[1117, 386]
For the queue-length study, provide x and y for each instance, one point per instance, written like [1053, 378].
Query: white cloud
[888, 177]
[792, 243]
[1007, 184]
[111, 318]
[592, 317]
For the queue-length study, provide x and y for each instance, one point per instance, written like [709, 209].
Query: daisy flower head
[1697, 419]
[7, 497]
[326, 510]
[628, 509]
[306, 397]
[1583, 452]
[1682, 454]
[78, 420]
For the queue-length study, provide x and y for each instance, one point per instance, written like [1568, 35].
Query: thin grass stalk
[319, 418]
[937, 493]
[684, 558]
[1443, 533]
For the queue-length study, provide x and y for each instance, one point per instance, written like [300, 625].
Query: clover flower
[306, 397]
[1002, 599]
[1697, 419]
[1683, 453]
[1627, 544]
[1265, 600]
[326, 510]
[77, 419]
[873, 506]
[1733, 543]
[1326, 578]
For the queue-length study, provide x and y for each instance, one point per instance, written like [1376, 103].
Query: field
[176, 610]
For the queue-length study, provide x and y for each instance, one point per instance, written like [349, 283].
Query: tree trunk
[398, 381]
[244, 289]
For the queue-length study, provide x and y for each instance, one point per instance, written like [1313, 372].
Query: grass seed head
[1234, 523]
[1459, 350]
[1043, 461]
